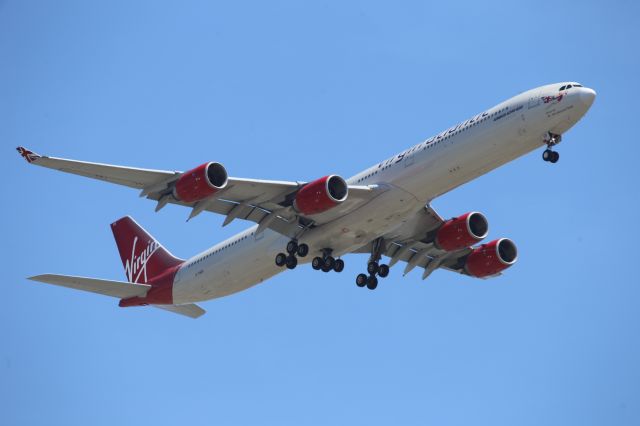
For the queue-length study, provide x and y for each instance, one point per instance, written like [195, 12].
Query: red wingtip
[30, 156]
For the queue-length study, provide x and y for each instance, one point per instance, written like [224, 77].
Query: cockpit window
[569, 86]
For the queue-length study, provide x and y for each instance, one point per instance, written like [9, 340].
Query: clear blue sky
[296, 90]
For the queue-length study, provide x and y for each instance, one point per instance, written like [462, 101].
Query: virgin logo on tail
[135, 266]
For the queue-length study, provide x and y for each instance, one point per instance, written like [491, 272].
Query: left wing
[266, 202]
[119, 289]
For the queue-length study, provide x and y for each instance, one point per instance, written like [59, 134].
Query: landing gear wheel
[383, 271]
[361, 280]
[292, 247]
[547, 155]
[329, 262]
[338, 266]
[372, 282]
[303, 250]
[555, 156]
[372, 268]
[326, 268]
[291, 262]
[317, 263]
[281, 259]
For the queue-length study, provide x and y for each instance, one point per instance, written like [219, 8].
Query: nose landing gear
[549, 154]
[293, 249]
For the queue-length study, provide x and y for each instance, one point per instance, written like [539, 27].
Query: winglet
[30, 156]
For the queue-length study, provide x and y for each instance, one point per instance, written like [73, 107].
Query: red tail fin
[142, 256]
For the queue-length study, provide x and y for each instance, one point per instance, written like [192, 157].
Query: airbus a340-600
[383, 211]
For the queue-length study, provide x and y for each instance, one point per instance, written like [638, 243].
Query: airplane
[383, 211]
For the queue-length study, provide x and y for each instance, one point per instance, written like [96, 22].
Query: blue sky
[295, 90]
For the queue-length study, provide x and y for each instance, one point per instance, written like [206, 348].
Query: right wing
[265, 202]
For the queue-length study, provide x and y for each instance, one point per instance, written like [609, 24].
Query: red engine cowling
[321, 195]
[200, 183]
[491, 258]
[462, 231]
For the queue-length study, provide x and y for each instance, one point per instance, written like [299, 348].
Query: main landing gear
[290, 260]
[549, 154]
[373, 267]
[327, 262]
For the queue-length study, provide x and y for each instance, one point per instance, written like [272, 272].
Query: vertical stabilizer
[143, 257]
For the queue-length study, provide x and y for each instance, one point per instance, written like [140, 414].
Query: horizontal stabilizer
[191, 310]
[119, 289]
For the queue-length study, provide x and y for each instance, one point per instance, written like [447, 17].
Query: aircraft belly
[233, 273]
[378, 217]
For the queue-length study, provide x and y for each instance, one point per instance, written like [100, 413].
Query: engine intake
[462, 231]
[491, 258]
[201, 182]
[321, 195]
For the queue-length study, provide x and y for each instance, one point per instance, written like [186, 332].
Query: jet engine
[200, 183]
[491, 258]
[462, 231]
[321, 195]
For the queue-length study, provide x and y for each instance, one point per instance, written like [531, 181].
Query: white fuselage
[414, 177]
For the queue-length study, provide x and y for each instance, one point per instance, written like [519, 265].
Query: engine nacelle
[462, 231]
[491, 258]
[200, 183]
[321, 195]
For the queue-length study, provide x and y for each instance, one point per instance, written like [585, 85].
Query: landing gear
[291, 262]
[361, 280]
[383, 271]
[317, 263]
[293, 249]
[281, 259]
[303, 250]
[549, 154]
[327, 263]
[373, 267]
[372, 282]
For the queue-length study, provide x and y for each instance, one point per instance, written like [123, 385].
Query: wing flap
[118, 289]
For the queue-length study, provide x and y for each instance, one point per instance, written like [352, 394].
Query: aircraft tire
[361, 280]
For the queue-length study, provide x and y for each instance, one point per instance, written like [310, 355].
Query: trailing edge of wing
[119, 289]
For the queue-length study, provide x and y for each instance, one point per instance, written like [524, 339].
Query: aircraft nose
[587, 96]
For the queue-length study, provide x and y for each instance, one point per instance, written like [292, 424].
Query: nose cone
[587, 96]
